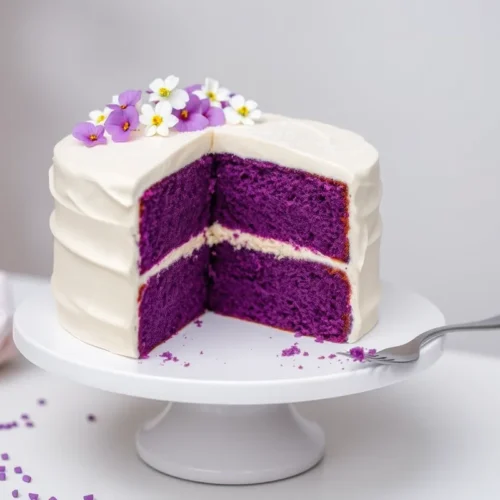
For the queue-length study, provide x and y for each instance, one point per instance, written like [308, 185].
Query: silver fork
[409, 352]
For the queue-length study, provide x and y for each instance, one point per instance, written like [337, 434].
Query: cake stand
[230, 419]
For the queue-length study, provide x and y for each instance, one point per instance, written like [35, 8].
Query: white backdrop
[420, 80]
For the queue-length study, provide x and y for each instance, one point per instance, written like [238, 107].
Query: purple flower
[190, 118]
[91, 135]
[192, 88]
[215, 116]
[126, 99]
[121, 122]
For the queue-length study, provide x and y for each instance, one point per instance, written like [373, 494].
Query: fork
[410, 352]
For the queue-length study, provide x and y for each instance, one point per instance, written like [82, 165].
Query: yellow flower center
[211, 95]
[126, 126]
[184, 114]
[123, 106]
[164, 92]
[93, 137]
[157, 120]
[101, 118]
[243, 111]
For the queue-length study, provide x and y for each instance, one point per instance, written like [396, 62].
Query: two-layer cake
[276, 223]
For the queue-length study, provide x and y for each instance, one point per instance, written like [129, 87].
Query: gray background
[419, 80]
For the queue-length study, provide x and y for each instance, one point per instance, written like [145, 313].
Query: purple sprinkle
[30, 424]
[2, 468]
[91, 417]
[26, 478]
[4, 456]
[52, 498]
[186, 365]
[321, 357]
[88, 497]
[291, 351]
[201, 352]
[198, 323]
[18, 470]
[357, 353]
[15, 493]
[13, 424]
[175, 359]
[331, 356]
[305, 353]
[25, 416]
[300, 367]
[42, 402]
[2, 476]
[33, 496]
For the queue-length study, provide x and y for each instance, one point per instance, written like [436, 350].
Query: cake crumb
[300, 367]
[305, 353]
[42, 402]
[187, 365]
[198, 322]
[319, 340]
[331, 356]
[167, 355]
[91, 417]
[175, 359]
[291, 351]
[357, 354]
[321, 357]
[201, 352]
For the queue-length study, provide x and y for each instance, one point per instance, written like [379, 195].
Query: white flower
[98, 117]
[165, 90]
[158, 120]
[212, 91]
[242, 111]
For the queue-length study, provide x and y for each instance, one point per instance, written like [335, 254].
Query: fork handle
[485, 324]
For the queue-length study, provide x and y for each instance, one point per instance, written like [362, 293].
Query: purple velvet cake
[253, 197]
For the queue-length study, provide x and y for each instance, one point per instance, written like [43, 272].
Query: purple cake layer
[289, 205]
[174, 210]
[295, 295]
[171, 299]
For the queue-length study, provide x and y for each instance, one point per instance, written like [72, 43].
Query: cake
[198, 201]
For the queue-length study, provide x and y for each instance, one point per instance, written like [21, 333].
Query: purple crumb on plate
[175, 359]
[186, 365]
[2, 468]
[15, 493]
[25, 416]
[30, 424]
[42, 401]
[300, 367]
[91, 417]
[331, 356]
[298, 335]
[52, 498]
[4, 456]
[2, 476]
[26, 478]
[198, 322]
[33, 496]
[321, 357]
[201, 352]
[88, 497]
[357, 353]
[305, 353]
[291, 351]
[18, 470]
[372, 352]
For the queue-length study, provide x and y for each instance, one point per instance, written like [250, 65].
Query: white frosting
[96, 191]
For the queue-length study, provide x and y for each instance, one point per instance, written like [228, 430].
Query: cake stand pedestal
[231, 419]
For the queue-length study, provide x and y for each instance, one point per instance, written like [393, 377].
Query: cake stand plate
[230, 419]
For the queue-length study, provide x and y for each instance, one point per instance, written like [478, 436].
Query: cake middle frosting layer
[276, 224]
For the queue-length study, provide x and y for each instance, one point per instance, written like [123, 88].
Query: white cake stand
[232, 421]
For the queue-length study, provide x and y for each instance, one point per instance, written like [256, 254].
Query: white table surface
[436, 436]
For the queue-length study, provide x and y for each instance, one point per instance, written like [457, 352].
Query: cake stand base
[223, 444]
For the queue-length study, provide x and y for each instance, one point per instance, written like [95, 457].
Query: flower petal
[132, 116]
[237, 101]
[163, 130]
[83, 130]
[156, 85]
[171, 82]
[232, 116]
[193, 104]
[197, 122]
[246, 120]
[94, 115]
[215, 116]
[163, 108]
[211, 85]
[130, 97]
[171, 120]
[204, 106]
[222, 94]
[216, 104]
[251, 105]
[200, 94]
[256, 114]
[178, 98]
[145, 119]
[150, 131]
[191, 88]
[147, 109]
